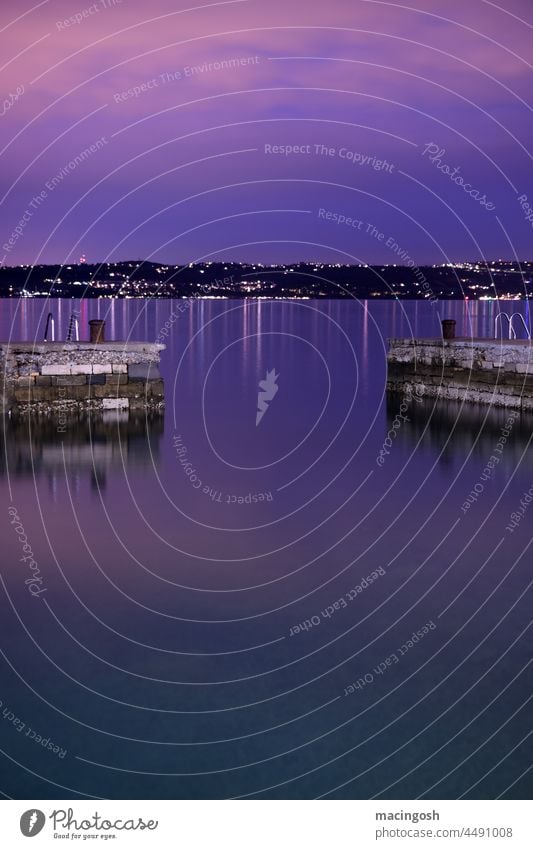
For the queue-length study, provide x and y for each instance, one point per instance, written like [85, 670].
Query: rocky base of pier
[74, 377]
[492, 372]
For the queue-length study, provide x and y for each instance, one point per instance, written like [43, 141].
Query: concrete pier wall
[482, 371]
[77, 376]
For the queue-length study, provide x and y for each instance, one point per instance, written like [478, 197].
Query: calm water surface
[228, 609]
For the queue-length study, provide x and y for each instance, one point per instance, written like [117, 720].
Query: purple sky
[376, 81]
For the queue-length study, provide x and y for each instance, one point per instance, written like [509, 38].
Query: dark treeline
[237, 280]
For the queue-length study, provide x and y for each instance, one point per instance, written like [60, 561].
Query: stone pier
[76, 376]
[483, 371]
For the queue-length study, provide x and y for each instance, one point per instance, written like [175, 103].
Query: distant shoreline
[148, 297]
[494, 280]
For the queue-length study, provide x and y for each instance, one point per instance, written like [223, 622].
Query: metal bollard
[97, 330]
[448, 328]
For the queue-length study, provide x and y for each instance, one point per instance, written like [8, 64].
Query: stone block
[115, 403]
[102, 391]
[116, 379]
[96, 379]
[119, 368]
[26, 380]
[107, 390]
[156, 387]
[50, 394]
[524, 381]
[79, 393]
[55, 368]
[489, 377]
[82, 368]
[24, 396]
[524, 368]
[69, 380]
[143, 371]
[101, 368]
[43, 380]
[466, 364]
[131, 389]
[59, 394]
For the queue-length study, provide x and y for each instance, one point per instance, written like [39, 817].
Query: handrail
[50, 324]
[510, 319]
[503, 315]
[521, 317]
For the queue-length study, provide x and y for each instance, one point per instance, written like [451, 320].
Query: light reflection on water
[160, 655]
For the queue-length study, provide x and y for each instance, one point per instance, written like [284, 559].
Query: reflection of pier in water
[453, 430]
[93, 444]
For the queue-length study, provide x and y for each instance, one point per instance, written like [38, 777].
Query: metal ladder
[73, 327]
[510, 319]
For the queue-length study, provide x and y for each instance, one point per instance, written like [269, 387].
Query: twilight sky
[163, 130]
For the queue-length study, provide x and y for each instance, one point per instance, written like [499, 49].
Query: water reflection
[454, 430]
[95, 445]
[161, 656]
